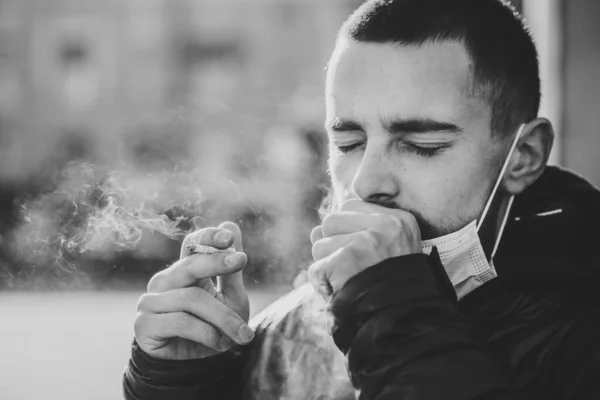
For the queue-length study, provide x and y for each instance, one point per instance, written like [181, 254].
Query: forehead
[374, 80]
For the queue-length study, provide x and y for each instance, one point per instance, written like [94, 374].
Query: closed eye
[422, 150]
[425, 150]
[349, 147]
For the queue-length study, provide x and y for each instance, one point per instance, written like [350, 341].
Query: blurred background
[125, 124]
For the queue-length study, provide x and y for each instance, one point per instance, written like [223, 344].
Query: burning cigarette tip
[190, 247]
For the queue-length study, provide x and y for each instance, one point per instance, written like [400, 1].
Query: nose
[375, 180]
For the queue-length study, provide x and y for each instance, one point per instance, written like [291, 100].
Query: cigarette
[199, 248]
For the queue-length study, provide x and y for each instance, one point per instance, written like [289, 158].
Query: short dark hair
[503, 55]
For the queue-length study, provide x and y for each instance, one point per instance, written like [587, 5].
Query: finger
[316, 234]
[328, 274]
[201, 304]
[188, 271]
[343, 222]
[219, 238]
[340, 267]
[232, 285]
[390, 222]
[236, 233]
[181, 325]
[362, 207]
[327, 246]
[318, 278]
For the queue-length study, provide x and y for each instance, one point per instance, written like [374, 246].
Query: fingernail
[225, 343]
[246, 333]
[223, 237]
[233, 259]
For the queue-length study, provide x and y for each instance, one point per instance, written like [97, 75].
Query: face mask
[461, 252]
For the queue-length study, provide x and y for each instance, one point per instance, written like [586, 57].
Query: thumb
[237, 234]
[232, 285]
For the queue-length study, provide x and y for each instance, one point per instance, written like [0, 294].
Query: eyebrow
[409, 125]
[343, 125]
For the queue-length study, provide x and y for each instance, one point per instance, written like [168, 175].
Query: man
[429, 282]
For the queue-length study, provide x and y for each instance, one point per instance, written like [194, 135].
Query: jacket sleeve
[216, 377]
[399, 327]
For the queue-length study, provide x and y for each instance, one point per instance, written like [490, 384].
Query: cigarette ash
[95, 210]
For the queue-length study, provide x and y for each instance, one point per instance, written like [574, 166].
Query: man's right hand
[183, 316]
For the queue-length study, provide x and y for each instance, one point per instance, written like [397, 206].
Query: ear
[530, 156]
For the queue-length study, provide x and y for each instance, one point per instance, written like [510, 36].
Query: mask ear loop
[502, 171]
[504, 220]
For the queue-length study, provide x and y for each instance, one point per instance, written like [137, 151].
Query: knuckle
[209, 337]
[350, 253]
[139, 324]
[143, 302]
[357, 248]
[366, 240]
[315, 252]
[155, 282]
[316, 234]
[318, 250]
[328, 224]
[353, 249]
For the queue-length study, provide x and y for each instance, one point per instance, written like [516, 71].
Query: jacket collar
[552, 231]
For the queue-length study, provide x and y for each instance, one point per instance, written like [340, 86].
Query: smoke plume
[96, 210]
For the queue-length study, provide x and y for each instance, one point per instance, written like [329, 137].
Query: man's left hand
[357, 237]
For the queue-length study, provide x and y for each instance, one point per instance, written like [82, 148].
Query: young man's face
[405, 131]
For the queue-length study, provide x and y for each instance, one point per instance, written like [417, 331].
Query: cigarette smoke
[95, 210]
[92, 213]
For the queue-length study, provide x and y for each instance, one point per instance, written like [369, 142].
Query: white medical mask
[461, 252]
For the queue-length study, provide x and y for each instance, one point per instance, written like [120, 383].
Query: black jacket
[531, 333]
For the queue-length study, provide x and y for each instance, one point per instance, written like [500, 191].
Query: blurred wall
[75, 72]
[97, 72]
[545, 21]
[581, 141]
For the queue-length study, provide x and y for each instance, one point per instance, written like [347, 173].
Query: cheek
[451, 196]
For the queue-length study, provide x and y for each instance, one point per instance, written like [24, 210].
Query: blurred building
[94, 73]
